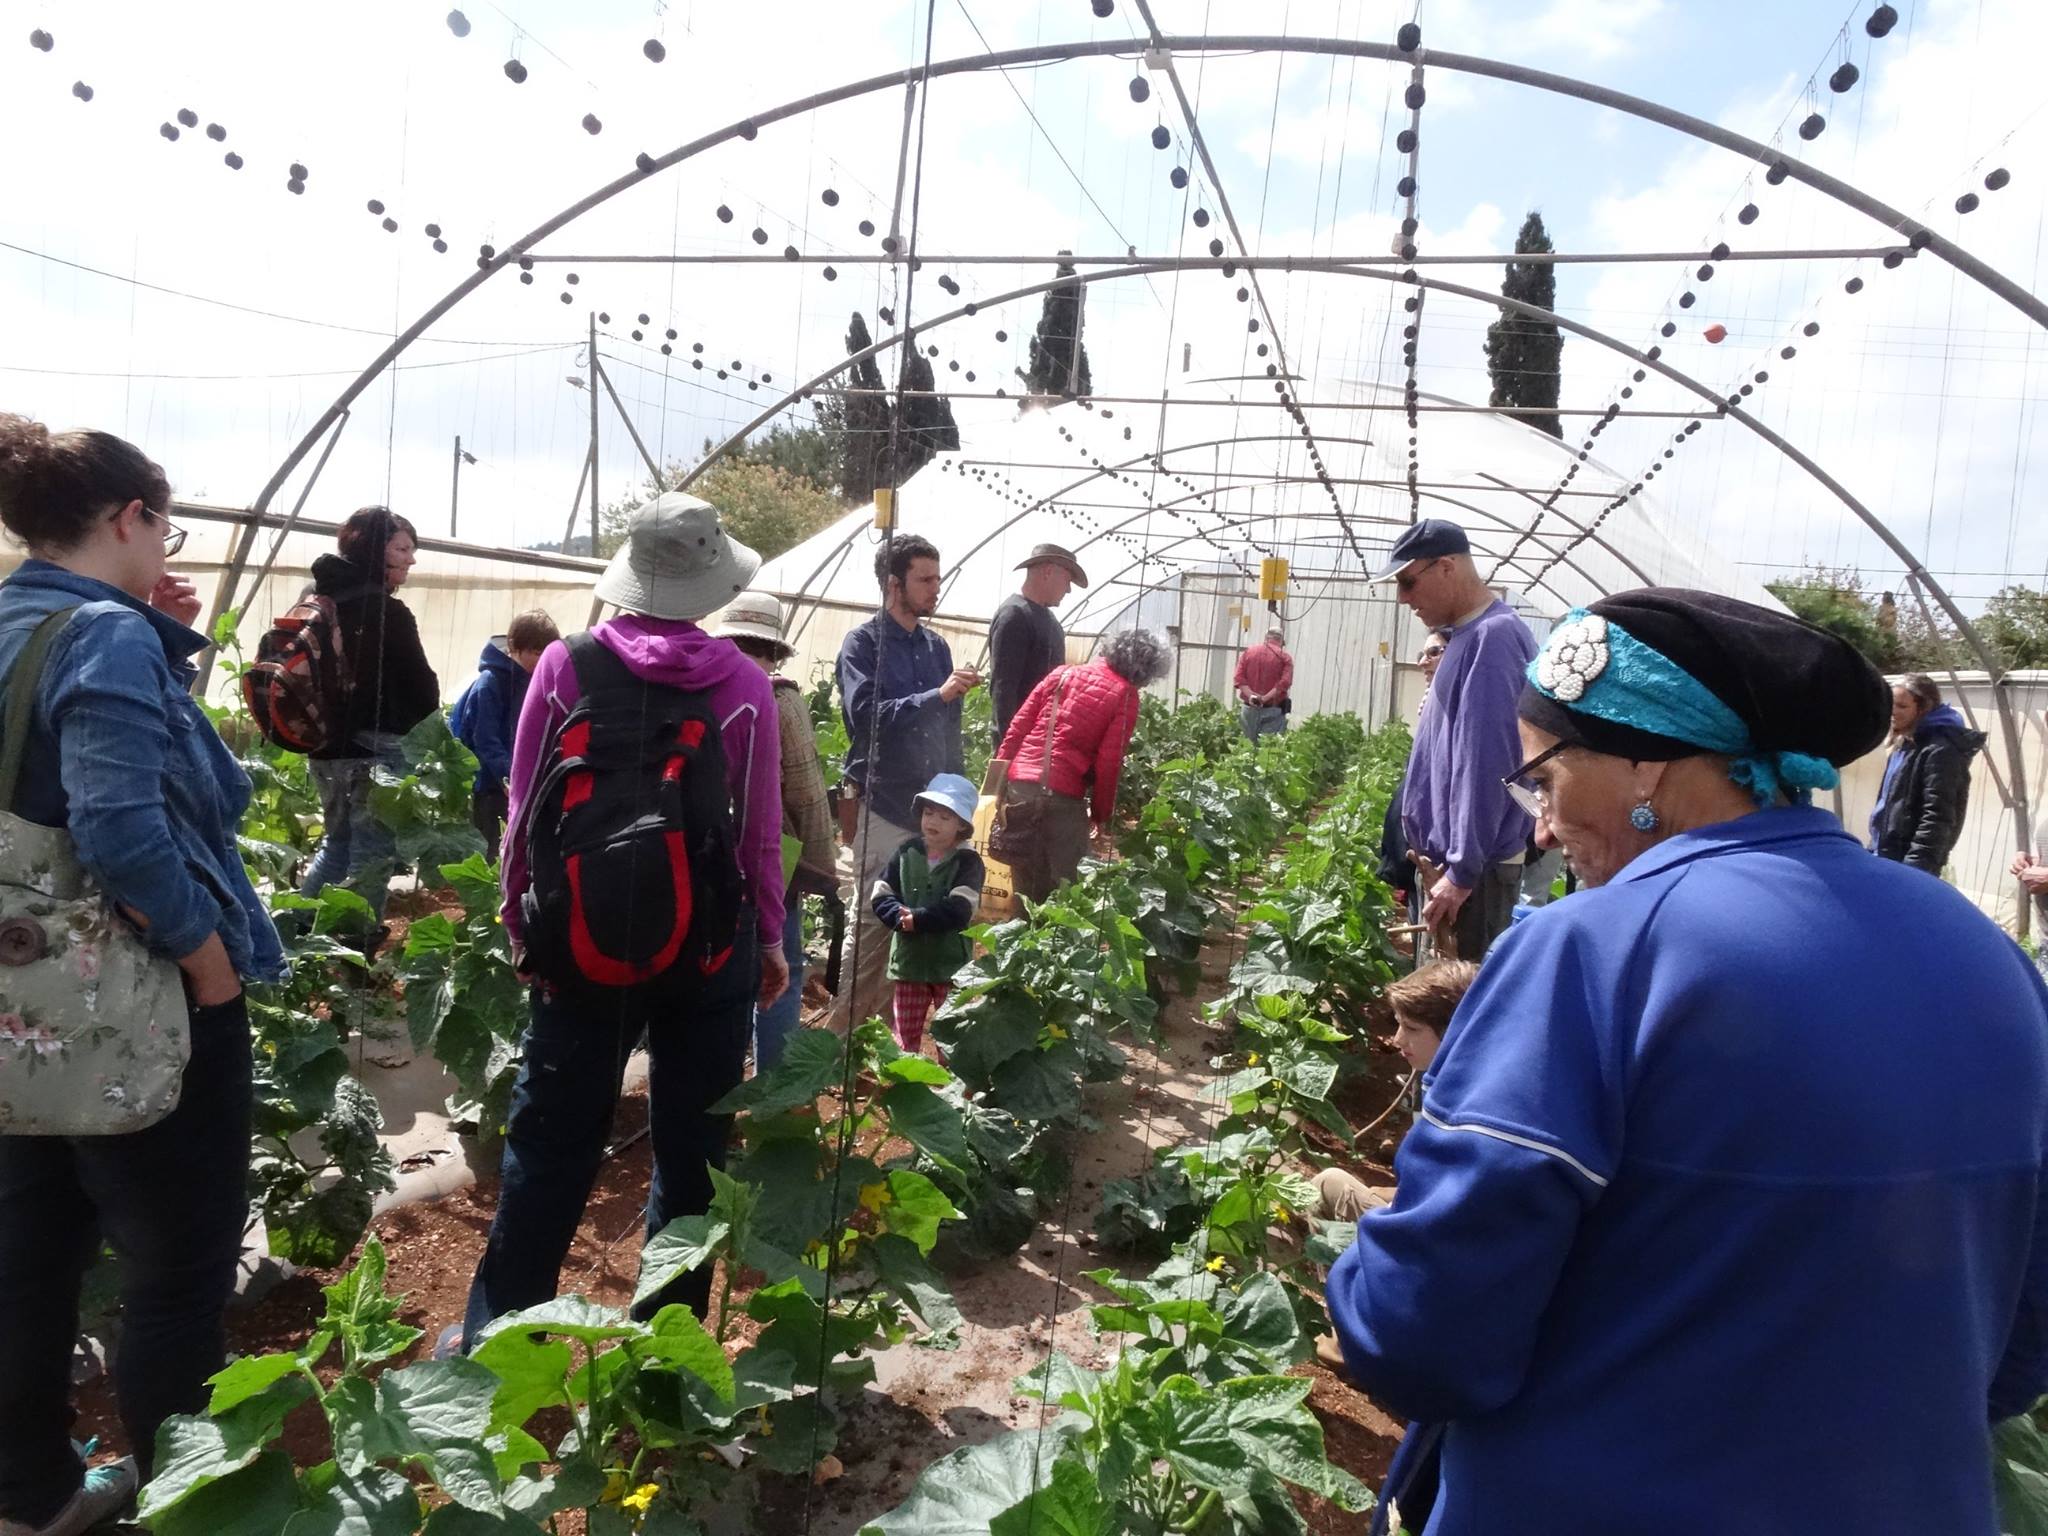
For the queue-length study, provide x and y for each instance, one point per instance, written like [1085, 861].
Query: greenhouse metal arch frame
[1916, 234]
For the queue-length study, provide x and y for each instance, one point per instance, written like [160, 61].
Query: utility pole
[455, 484]
[593, 434]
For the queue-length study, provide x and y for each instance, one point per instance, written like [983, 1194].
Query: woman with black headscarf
[1700, 1227]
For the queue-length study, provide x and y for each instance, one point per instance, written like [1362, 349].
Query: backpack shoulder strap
[27, 676]
[599, 668]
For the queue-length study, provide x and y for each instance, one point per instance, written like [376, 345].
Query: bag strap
[1052, 728]
[21, 700]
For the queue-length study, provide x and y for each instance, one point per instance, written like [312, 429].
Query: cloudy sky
[222, 312]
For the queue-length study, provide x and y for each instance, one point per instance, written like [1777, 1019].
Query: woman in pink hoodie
[677, 566]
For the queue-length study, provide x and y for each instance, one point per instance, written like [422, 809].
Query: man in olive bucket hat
[649, 661]
[1024, 640]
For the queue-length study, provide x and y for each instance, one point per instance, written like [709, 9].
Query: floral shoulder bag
[94, 1034]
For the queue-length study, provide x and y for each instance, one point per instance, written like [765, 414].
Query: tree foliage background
[1522, 354]
[1894, 634]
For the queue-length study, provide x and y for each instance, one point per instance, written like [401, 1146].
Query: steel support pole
[224, 591]
[593, 434]
[455, 486]
[653, 469]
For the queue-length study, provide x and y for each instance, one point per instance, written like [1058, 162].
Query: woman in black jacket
[391, 690]
[1926, 789]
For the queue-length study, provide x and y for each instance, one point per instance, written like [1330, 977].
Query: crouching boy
[928, 895]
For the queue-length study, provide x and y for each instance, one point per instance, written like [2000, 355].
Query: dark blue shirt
[122, 757]
[919, 731]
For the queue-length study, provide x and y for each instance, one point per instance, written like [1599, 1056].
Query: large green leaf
[248, 1377]
[256, 1501]
[572, 1317]
[914, 1208]
[677, 1338]
[532, 1373]
[1192, 1429]
[1070, 1504]
[989, 1032]
[928, 1122]
[676, 1249]
[1040, 1085]
[812, 1063]
[1269, 1420]
[192, 1453]
[904, 1271]
[374, 1502]
[965, 1492]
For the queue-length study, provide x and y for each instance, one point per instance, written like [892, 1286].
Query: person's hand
[907, 923]
[2035, 879]
[177, 597]
[2022, 862]
[1446, 900]
[774, 973]
[1103, 840]
[210, 978]
[962, 680]
[520, 970]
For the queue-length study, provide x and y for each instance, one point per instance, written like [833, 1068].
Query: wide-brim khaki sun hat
[677, 561]
[756, 616]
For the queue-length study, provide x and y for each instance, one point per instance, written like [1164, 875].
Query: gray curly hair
[1138, 656]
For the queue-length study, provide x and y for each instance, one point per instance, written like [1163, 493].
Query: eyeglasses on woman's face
[1528, 793]
[173, 535]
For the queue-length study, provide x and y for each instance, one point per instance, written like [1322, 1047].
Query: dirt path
[926, 1402]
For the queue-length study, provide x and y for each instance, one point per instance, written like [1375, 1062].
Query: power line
[246, 309]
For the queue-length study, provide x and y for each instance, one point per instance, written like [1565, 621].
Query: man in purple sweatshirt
[1454, 808]
[677, 566]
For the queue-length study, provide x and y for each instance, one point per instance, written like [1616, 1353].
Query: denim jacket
[918, 732]
[124, 759]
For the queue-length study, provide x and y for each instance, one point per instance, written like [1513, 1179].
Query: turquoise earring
[1643, 817]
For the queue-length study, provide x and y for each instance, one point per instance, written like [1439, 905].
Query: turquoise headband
[1594, 667]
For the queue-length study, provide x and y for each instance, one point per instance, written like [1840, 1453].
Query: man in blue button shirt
[899, 693]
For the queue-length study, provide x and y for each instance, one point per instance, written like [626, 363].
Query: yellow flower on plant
[874, 1196]
[1215, 1265]
[1055, 1031]
[641, 1499]
[1252, 1060]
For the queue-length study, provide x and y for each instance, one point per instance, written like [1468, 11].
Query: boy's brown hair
[533, 630]
[1428, 997]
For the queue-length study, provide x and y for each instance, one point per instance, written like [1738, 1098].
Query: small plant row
[1040, 1011]
[1198, 1426]
[643, 1417]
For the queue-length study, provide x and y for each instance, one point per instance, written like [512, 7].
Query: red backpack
[633, 878]
[297, 689]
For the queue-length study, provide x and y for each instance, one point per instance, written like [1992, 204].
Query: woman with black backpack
[127, 927]
[391, 689]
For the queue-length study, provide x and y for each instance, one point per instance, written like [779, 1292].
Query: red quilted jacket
[1096, 715]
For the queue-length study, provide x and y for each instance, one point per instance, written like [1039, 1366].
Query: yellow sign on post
[885, 508]
[1272, 579]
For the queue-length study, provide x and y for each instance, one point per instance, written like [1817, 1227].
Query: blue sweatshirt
[486, 717]
[1454, 807]
[1723, 1209]
[889, 680]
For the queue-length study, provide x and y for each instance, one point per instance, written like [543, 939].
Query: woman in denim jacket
[121, 756]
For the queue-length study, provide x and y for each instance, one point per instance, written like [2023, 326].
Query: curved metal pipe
[1619, 101]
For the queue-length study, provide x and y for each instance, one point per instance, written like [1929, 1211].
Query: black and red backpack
[297, 688]
[633, 878]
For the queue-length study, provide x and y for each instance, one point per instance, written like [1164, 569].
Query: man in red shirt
[1264, 674]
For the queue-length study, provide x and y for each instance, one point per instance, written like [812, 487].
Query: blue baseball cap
[951, 792]
[1430, 539]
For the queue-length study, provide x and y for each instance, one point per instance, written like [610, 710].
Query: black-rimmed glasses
[1533, 798]
[174, 536]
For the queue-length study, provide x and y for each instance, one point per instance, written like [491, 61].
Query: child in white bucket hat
[929, 895]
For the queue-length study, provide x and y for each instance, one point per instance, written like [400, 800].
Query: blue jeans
[355, 846]
[1263, 720]
[774, 1025]
[173, 1201]
[561, 1117]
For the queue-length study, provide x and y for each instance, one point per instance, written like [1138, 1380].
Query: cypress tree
[1059, 362]
[867, 421]
[1522, 353]
[928, 427]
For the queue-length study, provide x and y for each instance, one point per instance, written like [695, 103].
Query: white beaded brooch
[1574, 655]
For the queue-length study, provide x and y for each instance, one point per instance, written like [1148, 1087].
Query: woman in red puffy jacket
[1087, 714]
